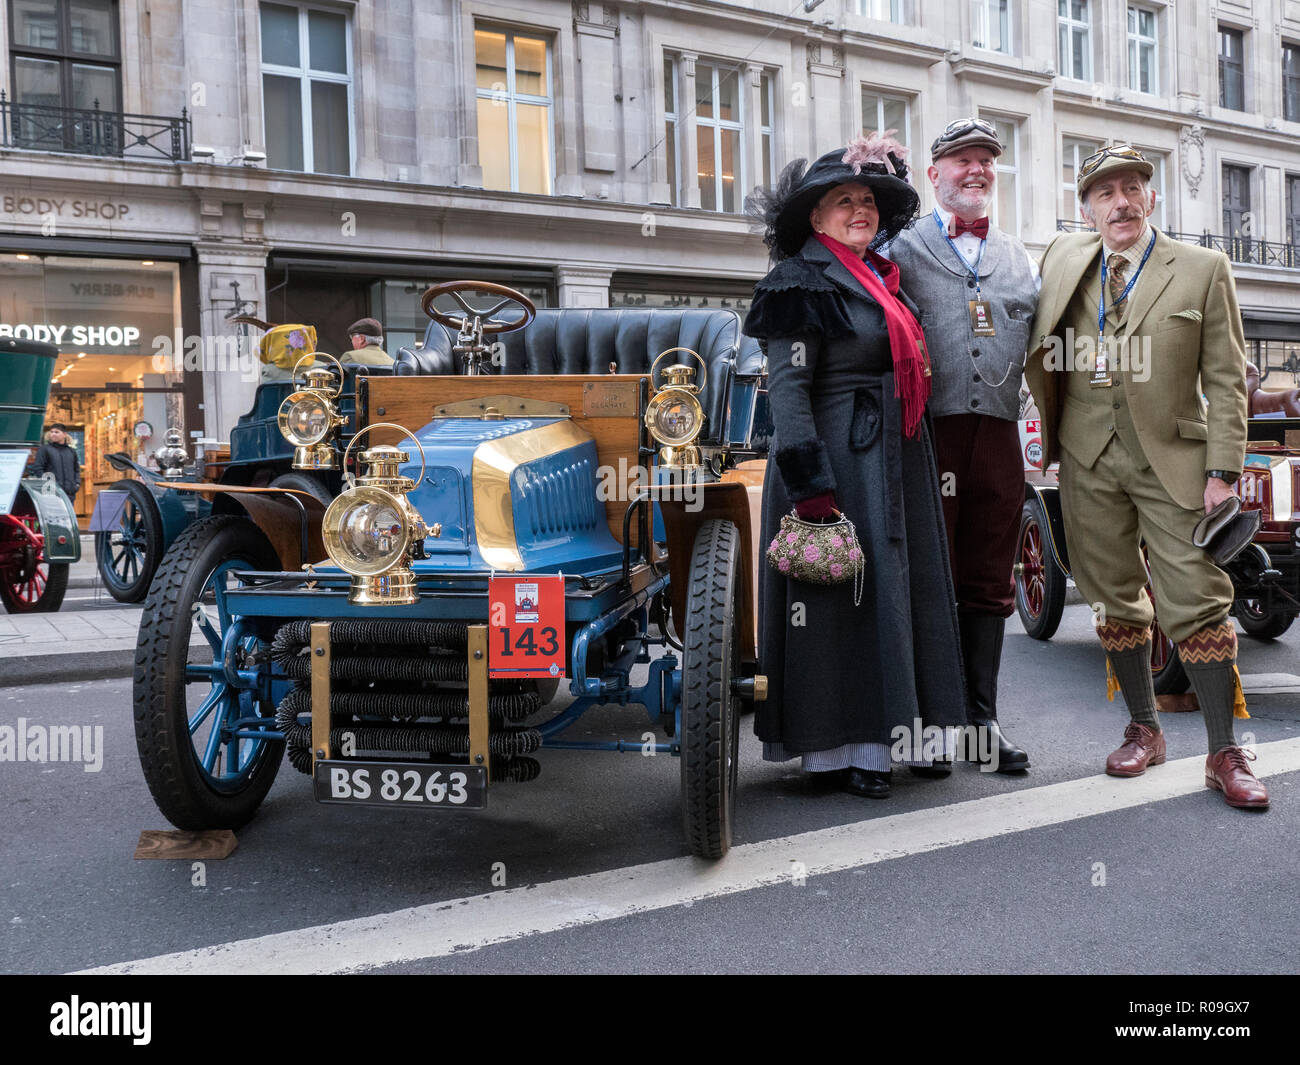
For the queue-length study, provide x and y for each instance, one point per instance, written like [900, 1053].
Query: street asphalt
[1191, 886]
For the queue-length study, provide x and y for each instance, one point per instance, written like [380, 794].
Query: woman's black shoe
[867, 783]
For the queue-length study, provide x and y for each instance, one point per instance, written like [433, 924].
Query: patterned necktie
[1115, 270]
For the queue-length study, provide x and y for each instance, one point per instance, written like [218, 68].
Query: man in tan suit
[1132, 327]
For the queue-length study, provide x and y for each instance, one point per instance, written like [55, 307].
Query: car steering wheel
[462, 325]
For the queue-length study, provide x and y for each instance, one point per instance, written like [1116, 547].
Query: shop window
[63, 54]
[307, 88]
[513, 80]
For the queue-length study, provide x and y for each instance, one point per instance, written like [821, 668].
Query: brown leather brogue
[1227, 771]
[1142, 746]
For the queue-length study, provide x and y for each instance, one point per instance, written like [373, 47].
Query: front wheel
[29, 582]
[202, 772]
[710, 732]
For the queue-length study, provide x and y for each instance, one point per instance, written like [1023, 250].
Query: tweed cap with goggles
[1111, 159]
[875, 160]
[966, 133]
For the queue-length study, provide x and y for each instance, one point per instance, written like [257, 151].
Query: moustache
[1127, 216]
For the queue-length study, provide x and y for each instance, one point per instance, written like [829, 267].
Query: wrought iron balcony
[1246, 250]
[94, 132]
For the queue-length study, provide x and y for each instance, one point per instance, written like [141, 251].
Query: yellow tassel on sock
[1112, 684]
[1239, 701]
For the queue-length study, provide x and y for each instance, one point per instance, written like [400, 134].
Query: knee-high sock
[1209, 657]
[1128, 649]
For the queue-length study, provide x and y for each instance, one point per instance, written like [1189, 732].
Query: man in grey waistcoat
[977, 290]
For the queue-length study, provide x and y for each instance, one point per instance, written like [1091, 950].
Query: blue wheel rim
[126, 558]
[225, 760]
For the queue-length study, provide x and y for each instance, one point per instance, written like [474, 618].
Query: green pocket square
[1192, 315]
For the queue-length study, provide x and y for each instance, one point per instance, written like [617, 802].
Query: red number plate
[526, 626]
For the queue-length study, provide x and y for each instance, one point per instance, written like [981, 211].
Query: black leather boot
[981, 643]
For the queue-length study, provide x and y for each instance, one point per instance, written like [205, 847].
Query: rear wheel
[202, 773]
[128, 555]
[710, 732]
[305, 482]
[1261, 624]
[1040, 581]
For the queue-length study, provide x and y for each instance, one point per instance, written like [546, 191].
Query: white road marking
[458, 925]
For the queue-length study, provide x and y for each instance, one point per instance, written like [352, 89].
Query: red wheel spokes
[1031, 572]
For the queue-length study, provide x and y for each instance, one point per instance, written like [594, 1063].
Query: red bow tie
[980, 227]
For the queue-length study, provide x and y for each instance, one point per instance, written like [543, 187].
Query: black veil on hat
[875, 160]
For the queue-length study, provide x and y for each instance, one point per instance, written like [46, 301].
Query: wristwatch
[1224, 475]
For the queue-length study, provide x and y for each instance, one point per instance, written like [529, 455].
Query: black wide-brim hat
[875, 161]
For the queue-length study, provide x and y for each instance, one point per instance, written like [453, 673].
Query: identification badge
[526, 618]
[981, 318]
[1101, 375]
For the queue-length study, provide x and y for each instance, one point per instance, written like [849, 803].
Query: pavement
[91, 637]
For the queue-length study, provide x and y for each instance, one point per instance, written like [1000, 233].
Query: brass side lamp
[309, 417]
[675, 416]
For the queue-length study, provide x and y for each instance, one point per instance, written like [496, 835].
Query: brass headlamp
[372, 531]
[674, 415]
[309, 417]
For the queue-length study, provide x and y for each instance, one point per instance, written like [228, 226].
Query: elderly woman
[848, 374]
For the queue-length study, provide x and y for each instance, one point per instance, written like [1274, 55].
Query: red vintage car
[1265, 577]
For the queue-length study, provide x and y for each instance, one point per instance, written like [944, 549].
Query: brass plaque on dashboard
[609, 399]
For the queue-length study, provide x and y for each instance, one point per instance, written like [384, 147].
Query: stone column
[753, 114]
[688, 153]
[583, 286]
[825, 91]
[230, 368]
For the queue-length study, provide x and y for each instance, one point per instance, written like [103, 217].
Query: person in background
[367, 337]
[977, 290]
[58, 457]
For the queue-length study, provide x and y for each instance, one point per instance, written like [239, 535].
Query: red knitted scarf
[906, 341]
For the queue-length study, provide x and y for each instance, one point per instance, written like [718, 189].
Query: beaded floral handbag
[818, 554]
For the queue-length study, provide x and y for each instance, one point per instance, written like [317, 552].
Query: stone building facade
[320, 160]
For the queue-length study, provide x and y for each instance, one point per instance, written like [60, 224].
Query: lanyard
[975, 270]
[1101, 303]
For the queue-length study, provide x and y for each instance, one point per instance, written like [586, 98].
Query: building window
[1237, 221]
[1006, 211]
[766, 130]
[1291, 82]
[1157, 183]
[991, 25]
[1073, 153]
[513, 74]
[880, 112]
[718, 132]
[63, 54]
[670, 126]
[307, 88]
[884, 10]
[1142, 41]
[1293, 209]
[1075, 55]
[1232, 70]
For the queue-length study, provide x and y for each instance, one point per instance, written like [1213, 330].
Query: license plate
[412, 785]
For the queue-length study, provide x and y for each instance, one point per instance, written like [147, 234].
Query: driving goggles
[1113, 151]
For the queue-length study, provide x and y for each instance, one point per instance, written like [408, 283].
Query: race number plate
[413, 785]
[526, 633]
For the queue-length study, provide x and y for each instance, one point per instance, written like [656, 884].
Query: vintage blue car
[526, 508]
[38, 524]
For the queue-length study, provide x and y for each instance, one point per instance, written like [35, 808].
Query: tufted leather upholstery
[583, 340]
[1261, 402]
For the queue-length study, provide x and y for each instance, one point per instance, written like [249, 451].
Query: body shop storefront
[105, 315]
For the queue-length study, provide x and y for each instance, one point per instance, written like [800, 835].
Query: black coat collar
[816, 252]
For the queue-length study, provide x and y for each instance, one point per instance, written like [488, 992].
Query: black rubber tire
[56, 587]
[710, 739]
[1261, 626]
[1040, 599]
[305, 482]
[148, 539]
[180, 786]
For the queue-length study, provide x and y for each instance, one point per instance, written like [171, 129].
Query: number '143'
[527, 644]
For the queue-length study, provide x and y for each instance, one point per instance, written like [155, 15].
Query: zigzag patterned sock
[1209, 657]
[1128, 649]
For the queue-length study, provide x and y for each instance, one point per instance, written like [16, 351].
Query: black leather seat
[583, 340]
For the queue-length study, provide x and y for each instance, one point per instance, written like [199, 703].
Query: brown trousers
[982, 483]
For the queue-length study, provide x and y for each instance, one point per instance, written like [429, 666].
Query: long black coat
[838, 673]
